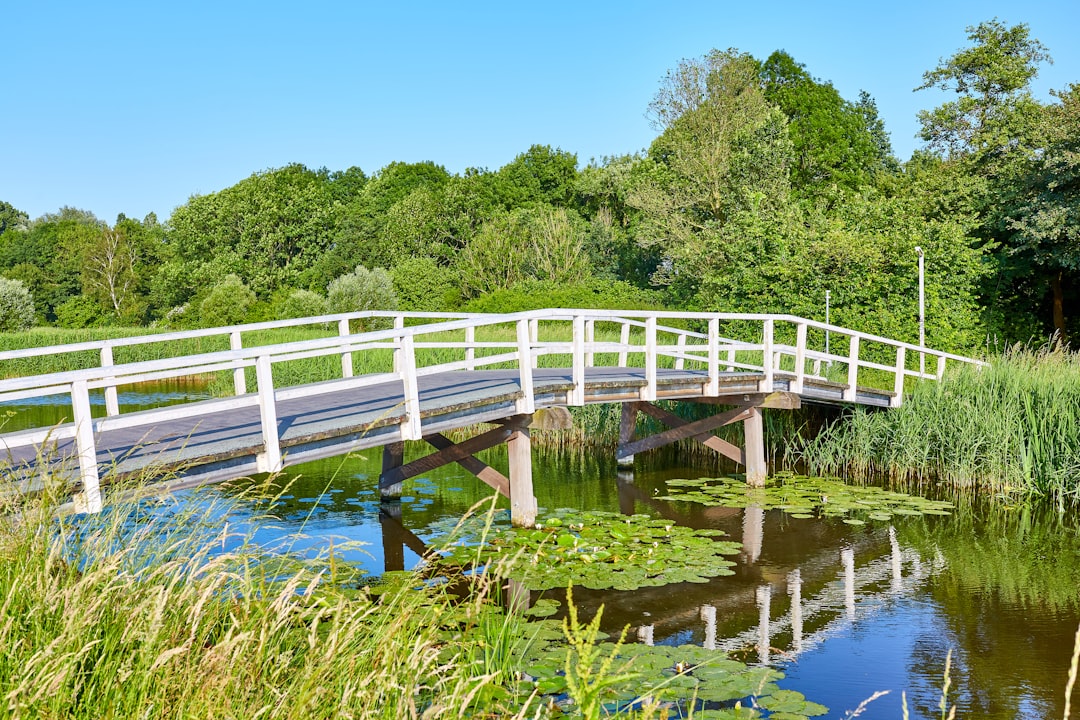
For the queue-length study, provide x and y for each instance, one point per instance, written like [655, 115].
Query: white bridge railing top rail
[429, 343]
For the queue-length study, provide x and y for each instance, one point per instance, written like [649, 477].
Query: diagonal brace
[684, 429]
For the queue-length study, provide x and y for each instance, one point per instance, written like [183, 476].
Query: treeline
[763, 190]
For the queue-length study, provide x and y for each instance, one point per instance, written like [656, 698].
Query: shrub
[16, 306]
[362, 289]
[592, 294]
[300, 303]
[227, 303]
[80, 312]
[423, 285]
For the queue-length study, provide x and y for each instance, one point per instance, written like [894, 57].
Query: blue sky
[133, 106]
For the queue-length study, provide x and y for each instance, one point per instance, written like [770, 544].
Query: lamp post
[922, 311]
[827, 329]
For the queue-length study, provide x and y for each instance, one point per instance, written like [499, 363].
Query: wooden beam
[775, 400]
[473, 464]
[453, 453]
[627, 426]
[754, 432]
[707, 439]
[682, 432]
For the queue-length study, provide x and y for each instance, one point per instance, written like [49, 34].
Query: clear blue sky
[133, 106]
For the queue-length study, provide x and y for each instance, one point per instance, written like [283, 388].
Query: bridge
[402, 376]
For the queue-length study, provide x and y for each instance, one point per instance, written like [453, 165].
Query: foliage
[542, 243]
[361, 289]
[301, 303]
[1009, 427]
[423, 285]
[227, 303]
[535, 295]
[16, 305]
[79, 311]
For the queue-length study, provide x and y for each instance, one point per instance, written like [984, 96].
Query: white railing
[571, 333]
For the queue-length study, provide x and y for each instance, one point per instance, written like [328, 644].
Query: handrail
[524, 350]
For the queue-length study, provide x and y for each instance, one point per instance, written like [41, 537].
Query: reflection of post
[645, 634]
[794, 588]
[897, 577]
[708, 614]
[847, 555]
[393, 542]
[517, 596]
[624, 482]
[764, 600]
[753, 530]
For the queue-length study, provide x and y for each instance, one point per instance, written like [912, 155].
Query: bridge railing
[646, 339]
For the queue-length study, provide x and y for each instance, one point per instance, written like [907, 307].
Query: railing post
[940, 367]
[410, 425]
[649, 391]
[852, 390]
[269, 460]
[767, 355]
[898, 380]
[680, 345]
[112, 402]
[527, 404]
[89, 500]
[470, 351]
[624, 341]
[534, 337]
[590, 337]
[239, 376]
[399, 323]
[346, 358]
[713, 388]
[578, 361]
[800, 358]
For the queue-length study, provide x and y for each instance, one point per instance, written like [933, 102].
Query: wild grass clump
[155, 609]
[1009, 428]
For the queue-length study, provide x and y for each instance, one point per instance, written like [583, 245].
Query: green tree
[542, 174]
[361, 289]
[835, 142]
[1048, 217]
[227, 303]
[12, 218]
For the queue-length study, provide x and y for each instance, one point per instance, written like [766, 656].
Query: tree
[1048, 219]
[227, 303]
[835, 142]
[16, 306]
[361, 289]
[724, 149]
[109, 269]
[11, 218]
[542, 174]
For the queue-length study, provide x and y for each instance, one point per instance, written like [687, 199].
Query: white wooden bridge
[431, 373]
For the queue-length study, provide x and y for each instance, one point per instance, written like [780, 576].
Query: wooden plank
[627, 427]
[522, 500]
[688, 430]
[754, 432]
[774, 400]
[709, 440]
[473, 464]
[451, 454]
[393, 456]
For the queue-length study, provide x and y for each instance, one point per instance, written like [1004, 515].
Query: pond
[844, 610]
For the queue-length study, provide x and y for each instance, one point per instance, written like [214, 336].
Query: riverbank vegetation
[763, 189]
[1010, 427]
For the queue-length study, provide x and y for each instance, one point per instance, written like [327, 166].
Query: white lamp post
[826, 329]
[922, 311]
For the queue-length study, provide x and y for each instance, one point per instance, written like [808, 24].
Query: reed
[1009, 429]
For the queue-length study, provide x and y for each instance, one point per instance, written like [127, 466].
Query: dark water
[844, 611]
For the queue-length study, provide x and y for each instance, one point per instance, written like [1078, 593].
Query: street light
[826, 328]
[922, 312]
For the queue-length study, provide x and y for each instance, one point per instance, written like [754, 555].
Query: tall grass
[156, 610]
[1009, 428]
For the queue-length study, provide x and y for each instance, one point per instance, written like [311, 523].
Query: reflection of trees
[1010, 592]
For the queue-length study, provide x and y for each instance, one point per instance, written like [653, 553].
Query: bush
[16, 306]
[300, 303]
[361, 289]
[227, 303]
[592, 294]
[423, 285]
[80, 312]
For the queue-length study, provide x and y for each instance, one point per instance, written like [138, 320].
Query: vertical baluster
[410, 426]
[767, 355]
[89, 500]
[270, 459]
[590, 338]
[527, 404]
[852, 389]
[680, 348]
[800, 358]
[578, 361]
[239, 376]
[898, 379]
[713, 388]
[346, 357]
[112, 402]
[624, 341]
[470, 351]
[649, 391]
[534, 337]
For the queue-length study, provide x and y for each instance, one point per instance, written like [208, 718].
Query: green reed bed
[1010, 428]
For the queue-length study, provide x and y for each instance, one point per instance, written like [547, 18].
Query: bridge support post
[754, 452]
[393, 455]
[522, 500]
[627, 426]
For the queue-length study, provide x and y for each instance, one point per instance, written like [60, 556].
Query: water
[844, 611]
